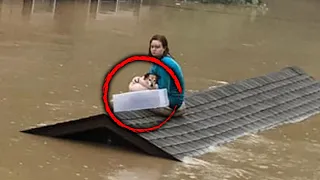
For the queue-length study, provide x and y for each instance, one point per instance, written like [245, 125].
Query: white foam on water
[302, 118]
[195, 168]
[195, 161]
[253, 139]
[132, 173]
[219, 82]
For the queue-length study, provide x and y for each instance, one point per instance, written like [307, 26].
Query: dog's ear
[145, 76]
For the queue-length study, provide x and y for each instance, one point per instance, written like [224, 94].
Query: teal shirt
[166, 82]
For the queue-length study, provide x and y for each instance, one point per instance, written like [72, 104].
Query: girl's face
[156, 48]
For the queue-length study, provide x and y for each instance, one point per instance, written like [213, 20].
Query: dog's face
[151, 79]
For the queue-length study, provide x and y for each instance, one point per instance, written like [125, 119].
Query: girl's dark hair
[164, 43]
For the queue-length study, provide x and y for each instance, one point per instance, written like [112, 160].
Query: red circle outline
[120, 65]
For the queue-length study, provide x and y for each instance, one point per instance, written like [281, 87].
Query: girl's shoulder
[168, 58]
[170, 61]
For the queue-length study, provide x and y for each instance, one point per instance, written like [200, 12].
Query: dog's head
[151, 79]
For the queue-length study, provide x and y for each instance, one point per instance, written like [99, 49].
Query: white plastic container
[139, 100]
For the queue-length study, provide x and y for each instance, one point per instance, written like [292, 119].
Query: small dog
[145, 82]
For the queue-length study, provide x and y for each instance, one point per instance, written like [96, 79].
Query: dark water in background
[54, 56]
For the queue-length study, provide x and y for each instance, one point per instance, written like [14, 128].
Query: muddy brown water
[54, 56]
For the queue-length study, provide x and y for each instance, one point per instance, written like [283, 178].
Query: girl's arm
[152, 69]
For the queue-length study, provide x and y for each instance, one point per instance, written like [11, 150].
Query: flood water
[54, 56]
